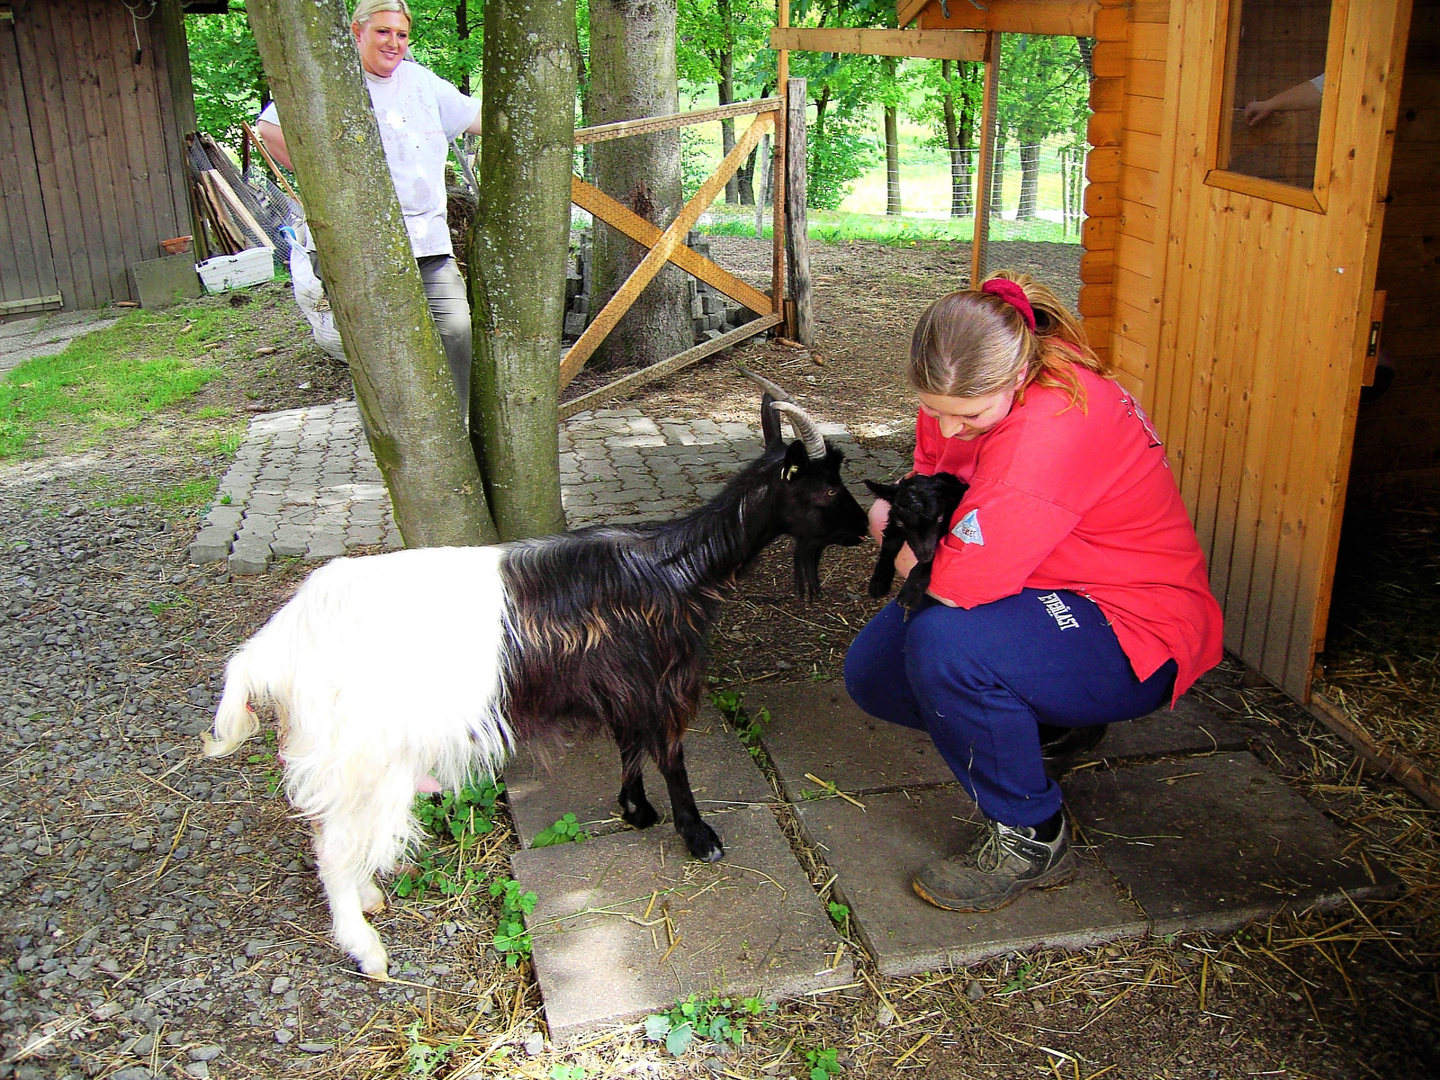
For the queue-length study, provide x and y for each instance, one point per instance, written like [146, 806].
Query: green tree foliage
[230, 84]
[447, 36]
[1044, 87]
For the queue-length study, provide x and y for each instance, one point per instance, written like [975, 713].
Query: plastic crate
[248, 267]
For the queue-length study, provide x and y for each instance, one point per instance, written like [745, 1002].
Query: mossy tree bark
[518, 252]
[402, 383]
[633, 75]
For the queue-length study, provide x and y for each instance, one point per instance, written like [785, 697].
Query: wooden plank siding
[1139, 120]
[102, 141]
[1397, 438]
[27, 270]
[1259, 341]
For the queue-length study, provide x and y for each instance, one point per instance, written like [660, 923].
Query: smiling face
[382, 40]
[965, 418]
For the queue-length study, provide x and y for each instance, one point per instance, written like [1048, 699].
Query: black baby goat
[920, 511]
[391, 670]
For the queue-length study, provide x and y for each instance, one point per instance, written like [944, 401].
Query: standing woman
[1070, 592]
[418, 114]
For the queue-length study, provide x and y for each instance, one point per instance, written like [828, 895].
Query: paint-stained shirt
[1064, 497]
[418, 113]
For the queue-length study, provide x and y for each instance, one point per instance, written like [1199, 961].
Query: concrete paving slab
[1190, 728]
[817, 729]
[1210, 843]
[876, 851]
[581, 776]
[626, 924]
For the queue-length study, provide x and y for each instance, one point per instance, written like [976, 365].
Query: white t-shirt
[418, 113]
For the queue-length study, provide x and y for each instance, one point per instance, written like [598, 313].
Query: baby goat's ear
[883, 491]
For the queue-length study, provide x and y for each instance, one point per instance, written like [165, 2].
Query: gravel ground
[148, 898]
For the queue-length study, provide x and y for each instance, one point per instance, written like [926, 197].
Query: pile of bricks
[712, 312]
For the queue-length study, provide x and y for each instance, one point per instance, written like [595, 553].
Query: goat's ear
[883, 491]
[796, 458]
[770, 424]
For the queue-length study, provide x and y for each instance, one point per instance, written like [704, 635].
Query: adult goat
[389, 670]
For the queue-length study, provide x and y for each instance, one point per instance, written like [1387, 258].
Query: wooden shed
[1231, 269]
[95, 98]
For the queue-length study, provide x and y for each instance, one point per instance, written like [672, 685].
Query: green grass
[114, 378]
[839, 227]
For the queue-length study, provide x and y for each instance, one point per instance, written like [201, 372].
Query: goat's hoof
[705, 845]
[375, 965]
[372, 900]
[639, 817]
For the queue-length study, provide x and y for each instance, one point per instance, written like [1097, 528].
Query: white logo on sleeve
[968, 529]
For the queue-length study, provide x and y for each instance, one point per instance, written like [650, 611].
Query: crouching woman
[1069, 593]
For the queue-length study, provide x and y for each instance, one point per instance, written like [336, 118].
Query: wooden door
[1264, 302]
[28, 284]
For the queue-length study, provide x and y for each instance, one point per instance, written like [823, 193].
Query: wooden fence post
[797, 248]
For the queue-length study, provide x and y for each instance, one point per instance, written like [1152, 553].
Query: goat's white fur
[381, 670]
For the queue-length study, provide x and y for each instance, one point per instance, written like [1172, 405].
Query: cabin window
[1273, 90]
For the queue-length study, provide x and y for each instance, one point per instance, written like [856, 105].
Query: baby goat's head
[920, 512]
[814, 505]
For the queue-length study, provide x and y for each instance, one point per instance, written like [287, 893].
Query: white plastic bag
[310, 294]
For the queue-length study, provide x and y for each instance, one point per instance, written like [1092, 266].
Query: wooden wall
[1133, 321]
[1397, 437]
[104, 140]
[1260, 341]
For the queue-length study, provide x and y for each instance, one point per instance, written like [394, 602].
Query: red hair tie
[1013, 295]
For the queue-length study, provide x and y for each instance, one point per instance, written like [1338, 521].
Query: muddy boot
[1008, 861]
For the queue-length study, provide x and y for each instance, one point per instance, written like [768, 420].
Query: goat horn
[804, 428]
[765, 384]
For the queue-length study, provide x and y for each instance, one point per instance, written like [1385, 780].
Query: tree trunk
[745, 179]
[1029, 174]
[632, 75]
[462, 33]
[966, 139]
[892, 161]
[959, 174]
[402, 382]
[725, 64]
[518, 251]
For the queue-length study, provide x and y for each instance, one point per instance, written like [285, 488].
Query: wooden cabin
[95, 98]
[1231, 268]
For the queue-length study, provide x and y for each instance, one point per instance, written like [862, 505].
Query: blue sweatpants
[980, 681]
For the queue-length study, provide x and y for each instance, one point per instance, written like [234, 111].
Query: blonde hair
[971, 343]
[366, 8]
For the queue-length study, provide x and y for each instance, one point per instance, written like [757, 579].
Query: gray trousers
[449, 307]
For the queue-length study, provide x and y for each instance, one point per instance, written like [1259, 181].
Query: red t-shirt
[1081, 499]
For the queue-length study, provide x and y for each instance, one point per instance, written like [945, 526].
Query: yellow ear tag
[790, 472]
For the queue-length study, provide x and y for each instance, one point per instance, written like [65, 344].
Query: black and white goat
[390, 670]
[920, 511]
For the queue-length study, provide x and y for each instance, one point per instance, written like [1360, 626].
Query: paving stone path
[305, 485]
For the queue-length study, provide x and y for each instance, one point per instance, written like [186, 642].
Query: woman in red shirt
[1069, 593]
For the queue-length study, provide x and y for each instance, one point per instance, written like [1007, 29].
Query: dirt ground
[1339, 994]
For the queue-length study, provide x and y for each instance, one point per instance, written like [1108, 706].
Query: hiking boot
[1007, 862]
[1059, 747]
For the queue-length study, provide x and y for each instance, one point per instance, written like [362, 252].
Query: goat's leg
[372, 899]
[884, 574]
[345, 889]
[635, 808]
[913, 591]
[700, 838]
